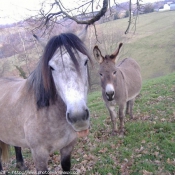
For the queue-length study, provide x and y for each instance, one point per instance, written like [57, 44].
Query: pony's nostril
[87, 114]
[71, 119]
[68, 118]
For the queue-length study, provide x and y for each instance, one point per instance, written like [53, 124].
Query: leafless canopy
[66, 12]
[83, 12]
[74, 13]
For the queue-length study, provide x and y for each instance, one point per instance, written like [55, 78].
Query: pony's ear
[114, 55]
[97, 54]
[40, 40]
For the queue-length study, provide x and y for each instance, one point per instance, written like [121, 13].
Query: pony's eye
[114, 72]
[52, 68]
[101, 74]
[86, 62]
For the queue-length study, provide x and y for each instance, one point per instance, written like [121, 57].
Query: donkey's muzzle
[79, 119]
[110, 95]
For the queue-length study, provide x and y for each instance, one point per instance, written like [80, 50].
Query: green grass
[149, 142]
[148, 146]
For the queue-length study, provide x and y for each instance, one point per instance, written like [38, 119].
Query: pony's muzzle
[79, 119]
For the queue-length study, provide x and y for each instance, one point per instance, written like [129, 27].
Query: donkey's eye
[86, 62]
[101, 74]
[114, 72]
[52, 68]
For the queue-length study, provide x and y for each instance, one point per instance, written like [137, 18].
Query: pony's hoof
[3, 172]
[21, 166]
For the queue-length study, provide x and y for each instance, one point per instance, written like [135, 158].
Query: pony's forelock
[41, 79]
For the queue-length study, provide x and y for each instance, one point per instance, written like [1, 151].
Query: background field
[151, 42]
[148, 147]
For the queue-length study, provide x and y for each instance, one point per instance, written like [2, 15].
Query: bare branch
[129, 18]
[66, 13]
[84, 13]
[96, 34]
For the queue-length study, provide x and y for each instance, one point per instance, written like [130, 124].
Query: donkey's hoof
[114, 133]
[121, 135]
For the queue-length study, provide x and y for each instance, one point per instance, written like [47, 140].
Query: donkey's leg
[121, 118]
[40, 156]
[66, 157]
[113, 115]
[131, 104]
[19, 159]
[127, 107]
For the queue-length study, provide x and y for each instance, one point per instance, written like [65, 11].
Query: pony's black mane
[41, 80]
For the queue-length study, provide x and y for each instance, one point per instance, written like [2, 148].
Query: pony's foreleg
[19, 159]
[40, 156]
[113, 116]
[0, 160]
[4, 150]
[121, 118]
[66, 157]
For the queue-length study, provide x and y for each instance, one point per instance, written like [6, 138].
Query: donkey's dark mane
[122, 62]
[41, 80]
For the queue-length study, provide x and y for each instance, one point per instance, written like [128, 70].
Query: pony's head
[63, 72]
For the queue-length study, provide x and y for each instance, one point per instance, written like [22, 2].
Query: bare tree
[85, 12]
[75, 13]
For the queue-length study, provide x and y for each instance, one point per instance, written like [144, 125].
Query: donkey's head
[107, 71]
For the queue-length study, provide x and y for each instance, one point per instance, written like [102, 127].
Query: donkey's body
[128, 75]
[120, 83]
[46, 111]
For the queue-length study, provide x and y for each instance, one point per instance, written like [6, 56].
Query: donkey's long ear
[114, 55]
[40, 40]
[97, 54]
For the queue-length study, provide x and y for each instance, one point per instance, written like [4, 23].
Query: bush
[116, 16]
[148, 8]
[127, 14]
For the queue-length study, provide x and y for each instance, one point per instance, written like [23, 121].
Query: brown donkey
[120, 84]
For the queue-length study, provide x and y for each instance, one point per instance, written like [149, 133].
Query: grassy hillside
[148, 147]
[149, 144]
[151, 42]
